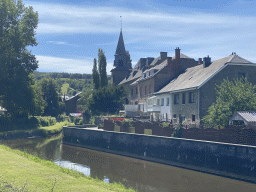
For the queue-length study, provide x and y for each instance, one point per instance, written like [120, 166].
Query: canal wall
[230, 160]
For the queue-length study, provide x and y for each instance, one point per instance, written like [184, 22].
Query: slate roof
[249, 116]
[196, 76]
[120, 49]
[137, 73]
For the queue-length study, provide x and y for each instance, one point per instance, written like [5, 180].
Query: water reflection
[135, 173]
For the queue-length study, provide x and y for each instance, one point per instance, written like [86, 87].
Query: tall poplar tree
[102, 68]
[17, 31]
[95, 75]
[128, 59]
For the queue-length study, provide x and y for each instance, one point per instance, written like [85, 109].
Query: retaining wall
[232, 160]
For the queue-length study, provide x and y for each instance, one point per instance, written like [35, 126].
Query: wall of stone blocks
[187, 109]
[236, 161]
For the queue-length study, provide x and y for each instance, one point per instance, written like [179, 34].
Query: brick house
[193, 92]
[154, 74]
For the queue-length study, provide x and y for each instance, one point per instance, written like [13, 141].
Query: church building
[120, 69]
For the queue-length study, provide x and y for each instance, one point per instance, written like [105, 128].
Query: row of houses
[176, 88]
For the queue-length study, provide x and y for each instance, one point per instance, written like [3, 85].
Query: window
[192, 97]
[183, 98]
[132, 91]
[181, 118]
[158, 101]
[136, 90]
[162, 102]
[176, 99]
[193, 118]
[140, 91]
[167, 101]
[241, 75]
[145, 90]
[174, 116]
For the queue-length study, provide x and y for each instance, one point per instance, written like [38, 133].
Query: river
[133, 173]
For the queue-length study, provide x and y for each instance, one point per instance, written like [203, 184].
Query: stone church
[120, 69]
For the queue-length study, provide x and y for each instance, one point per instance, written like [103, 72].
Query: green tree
[102, 68]
[232, 96]
[17, 31]
[38, 99]
[50, 95]
[107, 100]
[95, 75]
[128, 59]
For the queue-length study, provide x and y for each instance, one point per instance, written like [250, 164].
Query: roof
[120, 49]
[194, 77]
[182, 56]
[135, 74]
[249, 116]
[73, 96]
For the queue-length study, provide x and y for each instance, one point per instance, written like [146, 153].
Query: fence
[237, 134]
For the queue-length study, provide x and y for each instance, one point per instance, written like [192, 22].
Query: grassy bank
[41, 131]
[22, 170]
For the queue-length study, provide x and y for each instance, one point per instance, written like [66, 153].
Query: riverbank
[22, 170]
[39, 132]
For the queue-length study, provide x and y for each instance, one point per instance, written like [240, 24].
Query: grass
[148, 131]
[41, 131]
[22, 170]
[64, 88]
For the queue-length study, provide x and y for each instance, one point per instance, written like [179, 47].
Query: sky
[70, 32]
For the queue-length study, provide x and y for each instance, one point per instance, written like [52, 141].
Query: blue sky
[70, 32]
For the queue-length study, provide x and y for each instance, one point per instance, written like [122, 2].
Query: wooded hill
[69, 83]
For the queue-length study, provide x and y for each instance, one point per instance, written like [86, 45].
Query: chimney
[207, 61]
[163, 55]
[142, 62]
[177, 53]
[200, 61]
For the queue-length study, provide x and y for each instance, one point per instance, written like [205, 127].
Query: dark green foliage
[95, 75]
[17, 31]
[102, 62]
[14, 123]
[77, 120]
[107, 100]
[232, 96]
[87, 115]
[50, 95]
[128, 59]
[126, 123]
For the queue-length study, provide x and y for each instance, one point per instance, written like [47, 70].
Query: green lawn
[64, 88]
[19, 169]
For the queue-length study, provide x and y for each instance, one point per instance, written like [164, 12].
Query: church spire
[120, 49]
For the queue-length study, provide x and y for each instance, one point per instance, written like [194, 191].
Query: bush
[126, 123]
[165, 125]
[177, 131]
[46, 121]
[78, 120]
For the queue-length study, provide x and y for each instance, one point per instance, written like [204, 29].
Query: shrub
[126, 123]
[177, 131]
[165, 124]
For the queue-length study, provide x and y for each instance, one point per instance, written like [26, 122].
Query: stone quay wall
[230, 160]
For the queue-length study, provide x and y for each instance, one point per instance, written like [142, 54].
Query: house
[151, 75]
[190, 94]
[71, 103]
[248, 117]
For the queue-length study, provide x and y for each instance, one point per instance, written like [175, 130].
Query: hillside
[69, 83]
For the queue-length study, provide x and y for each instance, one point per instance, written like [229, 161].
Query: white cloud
[57, 64]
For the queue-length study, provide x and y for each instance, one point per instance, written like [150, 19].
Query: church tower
[120, 69]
